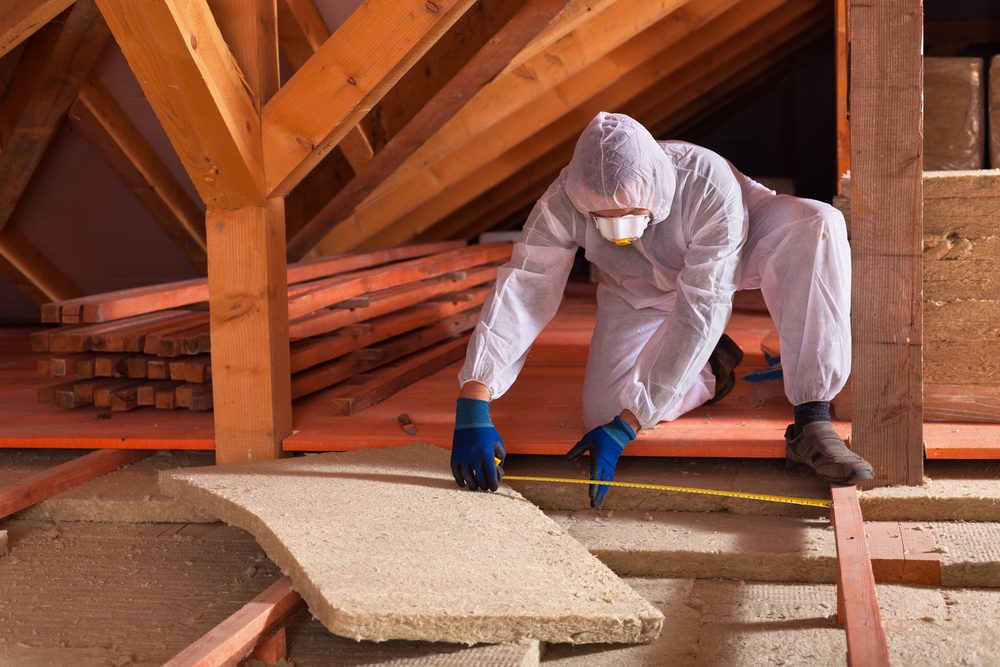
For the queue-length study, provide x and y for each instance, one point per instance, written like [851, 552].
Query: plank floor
[540, 414]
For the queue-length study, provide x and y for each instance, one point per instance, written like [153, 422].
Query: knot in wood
[432, 7]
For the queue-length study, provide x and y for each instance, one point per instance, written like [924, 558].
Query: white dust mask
[623, 229]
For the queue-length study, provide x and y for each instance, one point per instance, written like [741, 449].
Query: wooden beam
[518, 87]
[302, 31]
[584, 98]
[887, 237]
[35, 488]
[107, 127]
[53, 67]
[663, 48]
[857, 600]
[198, 92]
[31, 271]
[461, 63]
[330, 94]
[233, 640]
[19, 20]
[843, 42]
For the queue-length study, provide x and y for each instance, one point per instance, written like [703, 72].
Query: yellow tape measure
[788, 500]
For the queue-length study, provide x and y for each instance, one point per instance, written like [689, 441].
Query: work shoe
[819, 449]
[726, 356]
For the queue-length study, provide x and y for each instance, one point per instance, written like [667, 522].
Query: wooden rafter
[418, 196]
[523, 85]
[198, 92]
[19, 19]
[107, 127]
[354, 68]
[519, 191]
[302, 31]
[567, 109]
[452, 72]
[57, 61]
[31, 271]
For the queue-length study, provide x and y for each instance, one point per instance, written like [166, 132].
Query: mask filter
[622, 230]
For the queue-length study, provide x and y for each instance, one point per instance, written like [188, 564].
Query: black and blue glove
[605, 445]
[474, 447]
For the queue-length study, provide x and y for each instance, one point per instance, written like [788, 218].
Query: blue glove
[475, 445]
[605, 444]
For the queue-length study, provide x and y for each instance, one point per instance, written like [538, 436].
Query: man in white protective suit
[674, 230]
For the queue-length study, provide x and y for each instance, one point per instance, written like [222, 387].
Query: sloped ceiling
[86, 221]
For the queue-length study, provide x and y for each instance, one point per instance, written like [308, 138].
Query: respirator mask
[623, 229]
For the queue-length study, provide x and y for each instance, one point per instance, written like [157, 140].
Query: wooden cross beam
[353, 70]
[467, 58]
[26, 266]
[19, 19]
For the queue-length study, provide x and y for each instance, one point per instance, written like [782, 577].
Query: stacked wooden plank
[370, 322]
[961, 286]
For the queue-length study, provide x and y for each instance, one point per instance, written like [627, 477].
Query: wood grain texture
[857, 600]
[235, 638]
[19, 19]
[55, 64]
[842, 49]
[353, 69]
[36, 487]
[676, 66]
[249, 319]
[450, 74]
[109, 130]
[198, 91]
[250, 29]
[887, 236]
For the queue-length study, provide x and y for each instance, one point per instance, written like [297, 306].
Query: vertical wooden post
[247, 275]
[843, 38]
[887, 236]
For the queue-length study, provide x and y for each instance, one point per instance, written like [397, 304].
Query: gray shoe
[819, 449]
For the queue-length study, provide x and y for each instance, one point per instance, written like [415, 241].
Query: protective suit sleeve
[678, 350]
[527, 293]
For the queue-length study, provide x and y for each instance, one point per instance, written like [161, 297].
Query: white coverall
[664, 301]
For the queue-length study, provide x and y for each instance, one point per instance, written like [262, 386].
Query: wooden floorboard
[531, 420]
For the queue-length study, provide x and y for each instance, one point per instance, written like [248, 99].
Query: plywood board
[381, 545]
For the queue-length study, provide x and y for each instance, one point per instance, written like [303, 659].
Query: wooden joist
[198, 92]
[457, 67]
[19, 19]
[39, 486]
[354, 68]
[857, 600]
[108, 129]
[235, 638]
[389, 379]
[140, 300]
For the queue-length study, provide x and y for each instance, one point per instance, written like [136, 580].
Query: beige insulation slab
[759, 548]
[994, 111]
[953, 491]
[381, 544]
[128, 495]
[954, 113]
[102, 594]
[3, 542]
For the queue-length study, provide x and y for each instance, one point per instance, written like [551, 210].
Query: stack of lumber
[961, 281]
[370, 322]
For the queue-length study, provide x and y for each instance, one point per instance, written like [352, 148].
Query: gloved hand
[475, 445]
[605, 444]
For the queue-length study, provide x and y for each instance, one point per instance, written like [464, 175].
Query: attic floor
[540, 415]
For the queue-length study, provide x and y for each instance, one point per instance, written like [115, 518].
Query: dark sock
[807, 413]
